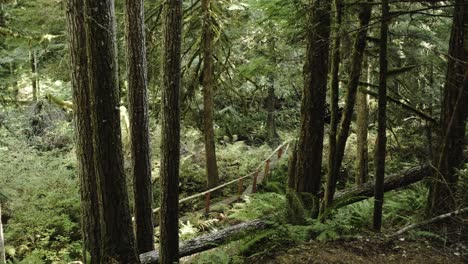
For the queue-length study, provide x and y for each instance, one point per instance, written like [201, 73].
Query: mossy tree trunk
[380, 150]
[139, 125]
[309, 152]
[362, 121]
[117, 239]
[351, 91]
[90, 219]
[208, 94]
[170, 133]
[453, 116]
[272, 135]
[334, 94]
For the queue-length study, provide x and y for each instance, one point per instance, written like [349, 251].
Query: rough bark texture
[117, 239]
[380, 150]
[208, 95]
[2, 241]
[206, 242]
[362, 121]
[90, 223]
[170, 133]
[310, 146]
[334, 94]
[453, 116]
[139, 125]
[352, 86]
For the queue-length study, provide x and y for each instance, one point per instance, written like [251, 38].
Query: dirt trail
[366, 251]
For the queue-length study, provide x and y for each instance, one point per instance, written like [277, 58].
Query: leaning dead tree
[429, 221]
[341, 199]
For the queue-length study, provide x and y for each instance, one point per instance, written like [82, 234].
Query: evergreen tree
[90, 219]
[117, 239]
[139, 124]
[208, 94]
[310, 145]
[170, 133]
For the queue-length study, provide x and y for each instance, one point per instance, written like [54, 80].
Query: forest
[233, 131]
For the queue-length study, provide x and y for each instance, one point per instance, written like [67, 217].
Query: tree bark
[362, 122]
[90, 219]
[453, 116]
[334, 97]
[117, 239]
[170, 133]
[310, 146]
[139, 125]
[350, 97]
[381, 120]
[208, 95]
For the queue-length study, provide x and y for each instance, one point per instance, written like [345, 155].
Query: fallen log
[342, 198]
[392, 182]
[429, 221]
[208, 241]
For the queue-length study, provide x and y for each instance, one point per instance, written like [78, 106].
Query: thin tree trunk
[90, 219]
[139, 125]
[361, 133]
[272, 135]
[310, 146]
[334, 94]
[381, 119]
[2, 241]
[32, 59]
[208, 95]
[117, 239]
[453, 117]
[170, 133]
[350, 98]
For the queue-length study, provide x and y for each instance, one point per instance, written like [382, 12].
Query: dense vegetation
[357, 90]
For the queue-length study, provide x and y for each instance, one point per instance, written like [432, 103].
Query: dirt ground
[368, 250]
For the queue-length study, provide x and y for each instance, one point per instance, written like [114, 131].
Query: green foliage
[43, 203]
[259, 205]
[295, 213]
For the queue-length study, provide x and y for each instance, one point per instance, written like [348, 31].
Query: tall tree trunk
[32, 59]
[334, 97]
[2, 241]
[310, 146]
[208, 101]
[117, 239]
[362, 163]
[170, 133]
[90, 219]
[139, 124]
[381, 119]
[350, 98]
[453, 116]
[272, 135]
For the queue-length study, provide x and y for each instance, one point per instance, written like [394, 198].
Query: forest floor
[367, 250]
